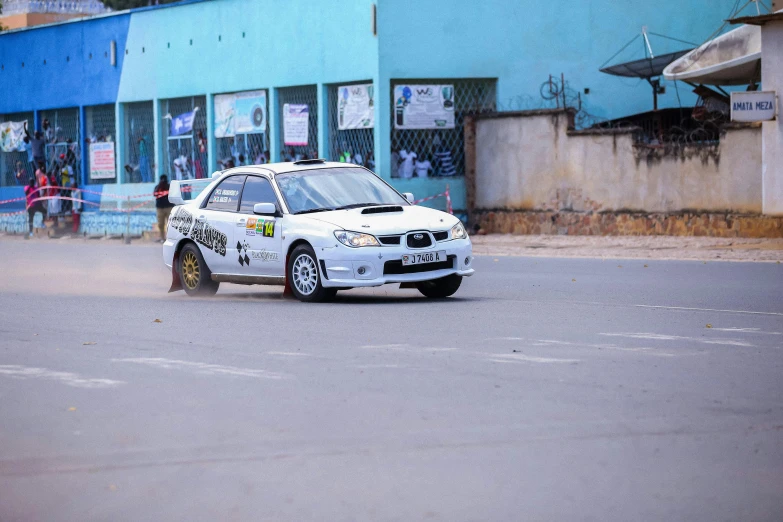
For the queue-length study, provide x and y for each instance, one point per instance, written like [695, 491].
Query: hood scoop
[382, 210]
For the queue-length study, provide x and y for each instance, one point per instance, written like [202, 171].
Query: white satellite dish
[733, 58]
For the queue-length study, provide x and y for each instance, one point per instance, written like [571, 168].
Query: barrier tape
[446, 195]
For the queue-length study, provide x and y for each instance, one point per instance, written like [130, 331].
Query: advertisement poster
[296, 123]
[11, 136]
[102, 160]
[424, 106]
[355, 107]
[240, 113]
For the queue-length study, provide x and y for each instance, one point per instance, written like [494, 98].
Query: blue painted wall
[69, 78]
[521, 42]
[218, 46]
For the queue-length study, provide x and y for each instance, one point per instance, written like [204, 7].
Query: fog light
[467, 261]
[361, 270]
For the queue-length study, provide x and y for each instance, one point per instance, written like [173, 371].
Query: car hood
[388, 223]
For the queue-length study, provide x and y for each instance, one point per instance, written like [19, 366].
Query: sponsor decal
[242, 249]
[250, 228]
[181, 220]
[209, 236]
[265, 227]
[264, 256]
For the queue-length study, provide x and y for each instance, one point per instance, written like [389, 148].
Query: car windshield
[334, 189]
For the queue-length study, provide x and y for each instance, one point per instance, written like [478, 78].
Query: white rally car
[314, 226]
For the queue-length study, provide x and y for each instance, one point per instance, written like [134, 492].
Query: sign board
[753, 106]
[102, 160]
[296, 123]
[183, 124]
[240, 113]
[424, 106]
[355, 107]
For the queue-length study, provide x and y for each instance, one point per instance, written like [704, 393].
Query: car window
[257, 190]
[226, 194]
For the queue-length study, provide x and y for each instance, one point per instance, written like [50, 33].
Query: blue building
[122, 78]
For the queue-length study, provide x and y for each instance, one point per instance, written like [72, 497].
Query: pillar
[772, 131]
[120, 140]
[157, 133]
[275, 139]
[211, 140]
[323, 121]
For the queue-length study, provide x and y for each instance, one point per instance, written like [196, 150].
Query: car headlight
[458, 231]
[355, 239]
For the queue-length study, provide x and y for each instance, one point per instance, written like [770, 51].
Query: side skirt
[249, 279]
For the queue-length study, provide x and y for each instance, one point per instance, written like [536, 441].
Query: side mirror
[409, 197]
[265, 209]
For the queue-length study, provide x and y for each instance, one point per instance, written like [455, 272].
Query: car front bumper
[375, 266]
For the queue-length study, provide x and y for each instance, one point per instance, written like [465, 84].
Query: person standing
[33, 203]
[423, 167]
[76, 206]
[162, 205]
[406, 169]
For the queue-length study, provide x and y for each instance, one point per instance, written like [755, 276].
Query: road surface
[547, 389]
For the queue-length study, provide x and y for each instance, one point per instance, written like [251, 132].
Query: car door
[213, 228]
[258, 239]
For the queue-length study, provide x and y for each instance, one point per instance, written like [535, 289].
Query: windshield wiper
[310, 211]
[357, 205]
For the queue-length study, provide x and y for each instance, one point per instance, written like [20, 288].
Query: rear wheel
[439, 288]
[304, 277]
[194, 273]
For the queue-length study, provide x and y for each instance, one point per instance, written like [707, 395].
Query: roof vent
[381, 210]
[310, 161]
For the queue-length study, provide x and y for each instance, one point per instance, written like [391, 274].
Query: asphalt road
[547, 389]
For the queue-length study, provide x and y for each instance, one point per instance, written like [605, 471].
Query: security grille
[139, 144]
[61, 131]
[10, 162]
[189, 150]
[100, 124]
[299, 95]
[471, 96]
[355, 142]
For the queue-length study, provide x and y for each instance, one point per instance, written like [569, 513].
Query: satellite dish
[733, 58]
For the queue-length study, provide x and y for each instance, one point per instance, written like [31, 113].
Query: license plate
[425, 257]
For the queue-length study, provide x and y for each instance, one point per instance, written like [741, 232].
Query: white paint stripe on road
[387, 346]
[747, 330]
[663, 337]
[706, 309]
[643, 350]
[506, 357]
[291, 354]
[67, 378]
[201, 368]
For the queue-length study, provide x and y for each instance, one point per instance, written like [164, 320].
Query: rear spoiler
[181, 192]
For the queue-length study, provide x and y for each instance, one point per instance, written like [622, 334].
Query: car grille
[424, 242]
[396, 267]
[440, 236]
[389, 240]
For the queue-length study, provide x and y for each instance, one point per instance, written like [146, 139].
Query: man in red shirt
[33, 203]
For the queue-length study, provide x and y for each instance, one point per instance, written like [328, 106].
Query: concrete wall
[531, 162]
[772, 80]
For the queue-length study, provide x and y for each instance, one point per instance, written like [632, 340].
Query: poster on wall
[296, 120]
[102, 160]
[424, 106]
[355, 107]
[240, 113]
[12, 136]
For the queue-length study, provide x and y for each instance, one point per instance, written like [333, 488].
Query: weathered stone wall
[528, 174]
[628, 223]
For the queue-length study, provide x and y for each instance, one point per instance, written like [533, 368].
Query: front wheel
[194, 273]
[304, 276]
[439, 288]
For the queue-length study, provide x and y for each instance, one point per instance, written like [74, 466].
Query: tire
[304, 276]
[440, 288]
[194, 273]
